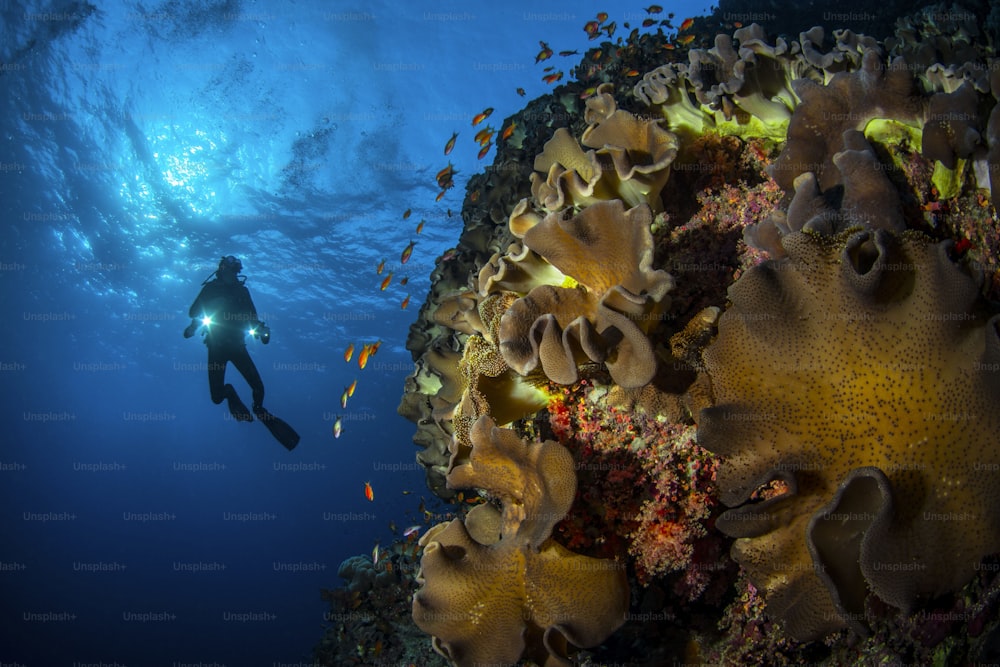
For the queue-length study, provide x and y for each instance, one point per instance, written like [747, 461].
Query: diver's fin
[237, 409]
[279, 428]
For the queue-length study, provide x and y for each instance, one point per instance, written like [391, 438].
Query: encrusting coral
[497, 588]
[856, 384]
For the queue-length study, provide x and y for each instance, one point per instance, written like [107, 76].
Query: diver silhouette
[226, 312]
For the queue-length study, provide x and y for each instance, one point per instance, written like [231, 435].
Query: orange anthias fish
[380, 268]
[685, 40]
[420, 227]
[602, 16]
[386, 281]
[373, 348]
[369, 494]
[552, 78]
[686, 25]
[509, 130]
[406, 213]
[440, 195]
[404, 280]
[654, 9]
[407, 251]
[480, 117]
[406, 302]
[484, 135]
[483, 151]
[648, 22]
[349, 352]
[350, 389]
[593, 29]
[445, 177]
[363, 356]
[451, 143]
[544, 54]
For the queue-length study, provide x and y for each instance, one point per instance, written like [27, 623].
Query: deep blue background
[140, 143]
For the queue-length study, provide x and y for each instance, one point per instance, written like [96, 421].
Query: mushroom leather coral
[514, 593]
[608, 253]
[640, 153]
[859, 377]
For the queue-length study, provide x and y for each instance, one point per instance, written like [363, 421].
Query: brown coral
[858, 379]
[640, 153]
[604, 308]
[516, 593]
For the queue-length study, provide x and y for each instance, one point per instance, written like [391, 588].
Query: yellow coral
[860, 372]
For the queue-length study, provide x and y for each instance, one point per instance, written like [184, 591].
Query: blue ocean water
[142, 525]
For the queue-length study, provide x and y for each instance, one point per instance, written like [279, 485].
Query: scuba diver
[226, 312]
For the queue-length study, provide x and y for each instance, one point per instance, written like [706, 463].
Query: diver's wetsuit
[232, 312]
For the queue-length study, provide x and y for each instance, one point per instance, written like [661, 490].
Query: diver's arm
[195, 313]
[262, 330]
[192, 328]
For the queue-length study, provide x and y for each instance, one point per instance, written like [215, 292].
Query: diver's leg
[217, 360]
[244, 364]
[216, 376]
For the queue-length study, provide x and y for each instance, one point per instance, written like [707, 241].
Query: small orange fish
[343, 399]
[406, 214]
[686, 25]
[474, 196]
[404, 280]
[509, 130]
[602, 16]
[445, 177]
[668, 47]
[484, 135]
[350, 389]
[349, 352]
[598, 54]
[373, 348]
[593, 29]
[544, 54]
[380, 268]
[440, 195]
[369, 494]
[737, 24]
[451, 143]
[386, 281]
[420, 226]
[520, 91]
[480, 117]
[632, 72]
[483, 151]
[552, 78]
[363, 356]
[405, 303]
[654, 9]
[685, 40]
[648, 22]
[407, 251]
